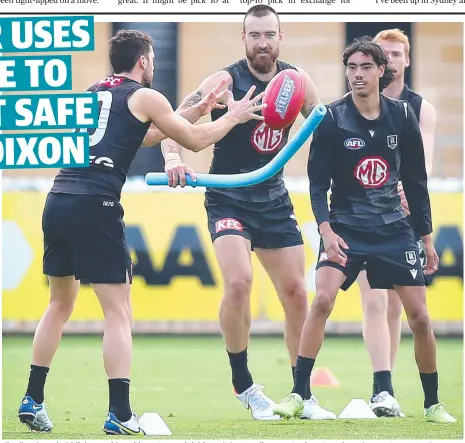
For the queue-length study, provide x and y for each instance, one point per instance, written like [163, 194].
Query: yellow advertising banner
[176, 274]
[444, 296]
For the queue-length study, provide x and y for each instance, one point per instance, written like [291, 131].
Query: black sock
[302, 372]
[35, 387]
[119, 398]
[307, 386]
[430, 388]
[384, 382]
[241, 377]
[375, 387]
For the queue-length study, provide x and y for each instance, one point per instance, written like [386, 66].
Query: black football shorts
[389, 251]
[268, 225]
[84, 237]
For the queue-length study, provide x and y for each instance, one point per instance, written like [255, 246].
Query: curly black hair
[366, 46]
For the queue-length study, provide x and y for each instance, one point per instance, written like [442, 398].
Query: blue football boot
[34, 415]
[113, 426]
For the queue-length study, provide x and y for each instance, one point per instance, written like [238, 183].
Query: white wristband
[172, 157]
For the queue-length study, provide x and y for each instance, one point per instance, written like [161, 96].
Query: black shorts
[84, 237]
[389, 251]
[421, 252]
[268, 225]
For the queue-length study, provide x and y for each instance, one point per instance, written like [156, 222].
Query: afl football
[284, 96]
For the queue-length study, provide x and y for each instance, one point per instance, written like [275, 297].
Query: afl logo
[354, 143]
[266, 140]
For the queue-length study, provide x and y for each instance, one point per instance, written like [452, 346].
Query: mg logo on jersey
[228, 223]
[372, 172]
[392, 141]
[354, 143]
[266, 140]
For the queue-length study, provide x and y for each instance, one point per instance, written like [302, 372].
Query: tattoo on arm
[307, 110]
[194, 99]
[169, 146]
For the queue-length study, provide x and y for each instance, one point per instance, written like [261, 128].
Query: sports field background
[187, 381]
[177, 285]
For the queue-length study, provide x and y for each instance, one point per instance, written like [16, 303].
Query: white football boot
[313, 411]
[259, 404]
[385, 405]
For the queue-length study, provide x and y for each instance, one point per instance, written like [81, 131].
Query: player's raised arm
[311, 94]
[319, 169]
[195, 105]
[219, 78]
[413, 174]
[147, 104]
[170, 149]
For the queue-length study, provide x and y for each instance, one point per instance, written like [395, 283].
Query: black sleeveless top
[112, 145]
[413, 98]
[248, 146]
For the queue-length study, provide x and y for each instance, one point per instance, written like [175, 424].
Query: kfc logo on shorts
[226, 224]
[410, 257]
[372, 172]
[266, 140]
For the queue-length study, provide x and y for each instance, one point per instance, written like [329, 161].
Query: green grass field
[187, 381]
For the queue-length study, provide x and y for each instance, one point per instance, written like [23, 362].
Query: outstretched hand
[212, 99]
[246, 108]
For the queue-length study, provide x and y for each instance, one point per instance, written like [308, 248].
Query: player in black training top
[83, 219]
[365, 145]
[382, 308]
[259, 217]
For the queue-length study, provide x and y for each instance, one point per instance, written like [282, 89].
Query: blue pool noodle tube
[259, 175]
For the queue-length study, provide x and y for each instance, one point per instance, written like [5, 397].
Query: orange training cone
[323, 377]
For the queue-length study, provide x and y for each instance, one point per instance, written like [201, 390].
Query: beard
[147, 80]
[262, 62]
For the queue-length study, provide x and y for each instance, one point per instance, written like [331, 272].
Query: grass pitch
[187, 381]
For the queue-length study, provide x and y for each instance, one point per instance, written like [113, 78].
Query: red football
[284, 96]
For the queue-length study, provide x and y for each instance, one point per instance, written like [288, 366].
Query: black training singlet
[248, 146]
[413, 98]
[112, 146]
[363, 161]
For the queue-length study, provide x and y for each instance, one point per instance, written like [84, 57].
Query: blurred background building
[178, 285]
